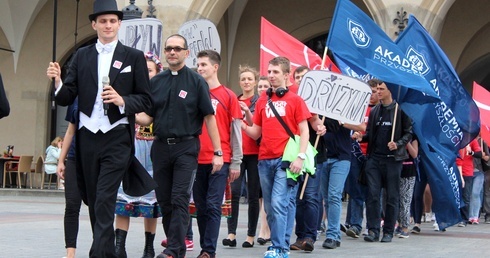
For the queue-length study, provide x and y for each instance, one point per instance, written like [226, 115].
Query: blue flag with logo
[458, 110]
[443, 127]
[360, 44]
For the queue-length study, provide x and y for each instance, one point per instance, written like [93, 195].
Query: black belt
[121, 126]
[172, 141]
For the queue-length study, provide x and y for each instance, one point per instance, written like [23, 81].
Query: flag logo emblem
[358, 34]
[419, 64]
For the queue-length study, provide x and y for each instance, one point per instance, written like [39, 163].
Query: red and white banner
[275, 42]
[482, 100]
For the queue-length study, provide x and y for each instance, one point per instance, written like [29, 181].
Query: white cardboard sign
[200, 35]
[143, 34]
[335, 96]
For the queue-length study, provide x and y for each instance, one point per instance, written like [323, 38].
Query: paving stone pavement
[31, 225]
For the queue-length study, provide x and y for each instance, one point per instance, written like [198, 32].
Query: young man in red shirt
[275, 189]
[209, 187]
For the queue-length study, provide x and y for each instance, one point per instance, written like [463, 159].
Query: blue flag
[458, 110]
[445, 184]
[361, 45]
[443, 127]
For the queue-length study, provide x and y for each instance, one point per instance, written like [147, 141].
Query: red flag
[482, 100]
[275, 42]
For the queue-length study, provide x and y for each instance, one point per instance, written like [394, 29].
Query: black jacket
[403, 130]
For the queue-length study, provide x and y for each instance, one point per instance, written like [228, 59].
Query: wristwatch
[218, 153]
[302, 156]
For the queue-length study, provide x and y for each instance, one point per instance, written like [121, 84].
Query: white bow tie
[108, 48]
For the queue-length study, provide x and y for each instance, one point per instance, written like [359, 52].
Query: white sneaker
[427, 217]
[436, 226]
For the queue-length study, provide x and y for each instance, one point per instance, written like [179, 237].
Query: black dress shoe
[261, 241]
[229, 242]
[246, 244]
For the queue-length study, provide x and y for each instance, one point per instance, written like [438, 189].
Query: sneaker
[308, 245]
[343, 227]
[398, 231]
[403, 234]
[371, 237]
[298, 245]
[487, 220]
[365, 232]
[416, 230]
[474, 221]
[189, 244]
[462, 224]
[322, 228]
[274, 253]
[428, 217]
[436, 226]
[353, 232]
[386, 238]
[330, 243]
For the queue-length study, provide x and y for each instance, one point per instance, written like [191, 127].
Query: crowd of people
[193, 136]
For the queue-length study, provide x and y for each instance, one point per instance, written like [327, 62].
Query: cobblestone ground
[31, 225]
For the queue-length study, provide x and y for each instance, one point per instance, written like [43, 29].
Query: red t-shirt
[294, 88]
[465, 160]
[249, 145]
[224, 117]
[366, 119]
[292, 109]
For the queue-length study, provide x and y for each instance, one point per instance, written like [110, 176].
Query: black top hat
[105, 7]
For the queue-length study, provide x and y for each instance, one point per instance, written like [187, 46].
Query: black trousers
[382, 172]
[104, 158]
[468, 188]
[73, 201]
[250, 167]
[174, 170]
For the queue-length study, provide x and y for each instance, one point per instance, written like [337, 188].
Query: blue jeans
[308, 207]
[208, 192]
[357, 195]
[333, 181]
[279, 201]
[476, 194]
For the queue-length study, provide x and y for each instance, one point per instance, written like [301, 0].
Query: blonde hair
[246, 68]
[54, 142]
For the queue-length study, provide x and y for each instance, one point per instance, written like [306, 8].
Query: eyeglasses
[176, 49]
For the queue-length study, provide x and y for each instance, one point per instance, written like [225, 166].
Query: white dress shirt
[97, 120]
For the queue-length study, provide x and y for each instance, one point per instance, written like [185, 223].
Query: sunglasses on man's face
[176, 49]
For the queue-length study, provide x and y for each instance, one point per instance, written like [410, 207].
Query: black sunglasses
[176, 49]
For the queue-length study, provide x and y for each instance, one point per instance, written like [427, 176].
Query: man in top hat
[106, 123]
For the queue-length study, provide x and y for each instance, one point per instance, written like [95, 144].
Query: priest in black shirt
[181, 104]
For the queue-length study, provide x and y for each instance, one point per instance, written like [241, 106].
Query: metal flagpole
[55, 21]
